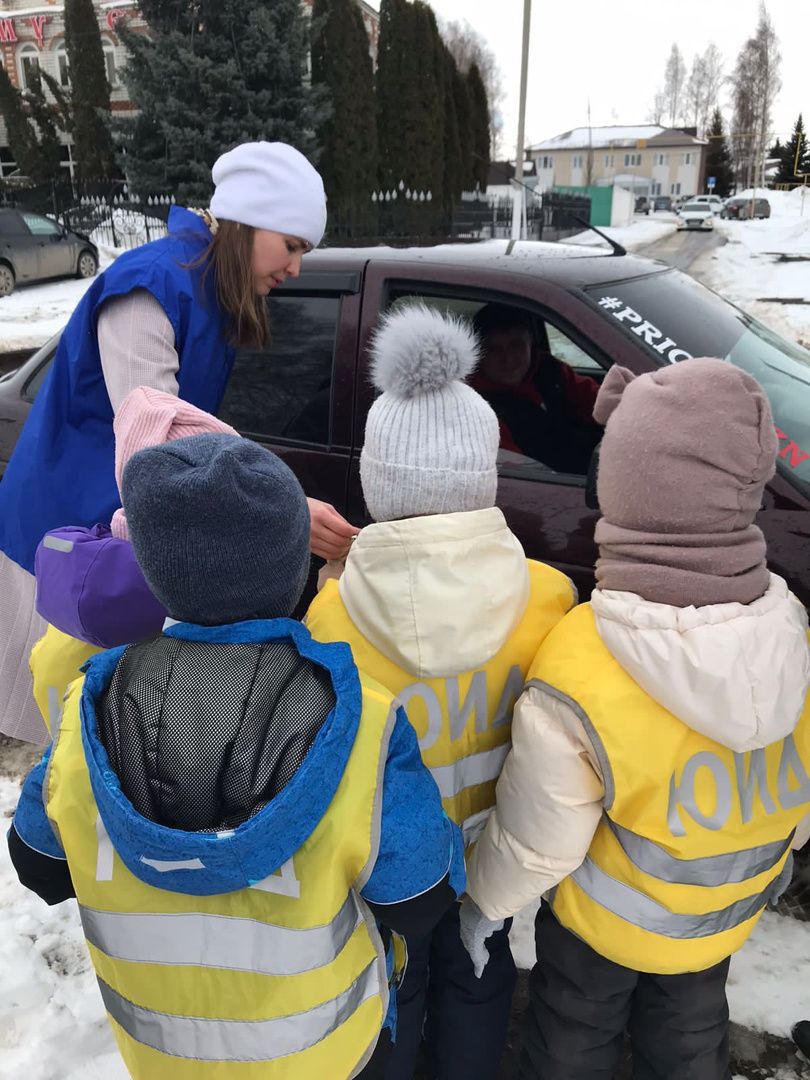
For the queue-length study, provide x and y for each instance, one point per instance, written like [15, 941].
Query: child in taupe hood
[660, 770]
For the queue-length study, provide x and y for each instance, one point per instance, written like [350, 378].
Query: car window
[674, 318]
[284, 390]
[539, 384]
[11, 225]
[34, 384]
[40, 226]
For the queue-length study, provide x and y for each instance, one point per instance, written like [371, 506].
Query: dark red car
[308, 394]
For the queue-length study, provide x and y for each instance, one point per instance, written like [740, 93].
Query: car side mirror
[591, 494]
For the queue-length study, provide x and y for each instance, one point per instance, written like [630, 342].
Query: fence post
[112, 227]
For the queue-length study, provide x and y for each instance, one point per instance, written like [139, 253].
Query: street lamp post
[518, 195]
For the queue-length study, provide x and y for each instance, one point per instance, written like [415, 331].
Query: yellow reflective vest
[695, 839]
[56, 661]
[285, 980]
[463, 722]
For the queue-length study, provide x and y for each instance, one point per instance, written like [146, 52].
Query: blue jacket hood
[205, 863]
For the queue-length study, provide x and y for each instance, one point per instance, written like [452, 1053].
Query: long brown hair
[229, 257]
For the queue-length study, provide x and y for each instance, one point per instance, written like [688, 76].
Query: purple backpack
[90, 586]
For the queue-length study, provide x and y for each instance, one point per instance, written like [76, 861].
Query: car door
[55, 250]
[545, 508]
[19, 246]
[295, 395]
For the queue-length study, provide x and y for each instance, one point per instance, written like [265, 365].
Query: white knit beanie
[431, 442]
[270, 186]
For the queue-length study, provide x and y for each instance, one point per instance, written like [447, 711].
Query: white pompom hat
[431, 441]
[270, 186]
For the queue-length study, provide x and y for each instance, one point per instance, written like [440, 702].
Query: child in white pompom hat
[441, 606]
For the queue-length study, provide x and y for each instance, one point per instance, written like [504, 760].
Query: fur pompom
[417, 350]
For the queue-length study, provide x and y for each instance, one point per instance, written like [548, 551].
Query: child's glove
[475, 929]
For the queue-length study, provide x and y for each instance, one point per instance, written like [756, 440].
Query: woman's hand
[330, 535]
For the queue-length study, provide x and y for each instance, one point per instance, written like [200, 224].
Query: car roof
[573, 266]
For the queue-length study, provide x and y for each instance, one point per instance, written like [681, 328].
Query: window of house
[674, 189]
[284, 391]
[109, 61]
[687, 159]
[7, 163]
[62, 69]
[545, 415]
[609, 159]
[662, 159]
[631, 160]
[577, 161]
[28, 63]
[546, 162]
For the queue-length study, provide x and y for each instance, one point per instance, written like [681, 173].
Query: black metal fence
[109, 213]
[114, 216]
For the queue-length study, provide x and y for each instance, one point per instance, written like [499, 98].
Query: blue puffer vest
[62, 469]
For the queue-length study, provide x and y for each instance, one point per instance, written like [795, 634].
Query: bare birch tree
[468, 47]
[674, 84]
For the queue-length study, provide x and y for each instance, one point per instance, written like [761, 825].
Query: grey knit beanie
[431, 441]
[220, 527]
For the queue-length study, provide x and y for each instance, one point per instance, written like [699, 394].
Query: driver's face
[507, 356]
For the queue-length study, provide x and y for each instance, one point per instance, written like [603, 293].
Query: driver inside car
[545, 409]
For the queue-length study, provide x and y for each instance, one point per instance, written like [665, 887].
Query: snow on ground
[644, 230]
[765, 261]
[34, 313]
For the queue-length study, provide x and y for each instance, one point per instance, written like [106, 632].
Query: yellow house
[649, 159]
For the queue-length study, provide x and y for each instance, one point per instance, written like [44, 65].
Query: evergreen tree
[455, 176]
[410, 102]
[788, 172]
[89, 93]
[31, 128]
[210, 76]
[341, 64]
[479, 123]
[718, 157]
[461, 93]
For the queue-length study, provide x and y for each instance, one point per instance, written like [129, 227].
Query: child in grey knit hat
[440, 604]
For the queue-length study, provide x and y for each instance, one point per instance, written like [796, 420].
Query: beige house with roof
[648, 159]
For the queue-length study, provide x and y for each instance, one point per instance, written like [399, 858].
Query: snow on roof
[606, 137]
[600, 136]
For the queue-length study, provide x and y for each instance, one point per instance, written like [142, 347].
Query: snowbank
[642, 231]
[33, 313]
[765, 265]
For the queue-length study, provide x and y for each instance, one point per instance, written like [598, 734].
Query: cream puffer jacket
[736, 673]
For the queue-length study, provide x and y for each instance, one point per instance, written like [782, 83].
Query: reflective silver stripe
[642, 911]
[219, 941]
[590, 731]
[469, 771]
[725, 869]
[56, 543]
[239, 1040]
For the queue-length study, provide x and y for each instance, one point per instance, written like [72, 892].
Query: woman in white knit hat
[441, 606]
[170, 316]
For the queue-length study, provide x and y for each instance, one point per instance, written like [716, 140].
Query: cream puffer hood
[736, 673]
[440, 594]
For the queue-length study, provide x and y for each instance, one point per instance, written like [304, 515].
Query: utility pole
[519, 189]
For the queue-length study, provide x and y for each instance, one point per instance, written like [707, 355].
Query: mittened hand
[475, 929]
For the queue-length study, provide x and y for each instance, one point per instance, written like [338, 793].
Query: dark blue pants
[463, 1020]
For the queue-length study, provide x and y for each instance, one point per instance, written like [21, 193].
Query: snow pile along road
[765, 265]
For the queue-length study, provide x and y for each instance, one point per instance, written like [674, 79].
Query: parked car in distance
[306, 396]
[35, 248]
[714, 201]
[739, 208]
[642, 205]
[662, 202]
[679, 201]
[696, 215]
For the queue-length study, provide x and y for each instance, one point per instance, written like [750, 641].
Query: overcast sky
[614, 52]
